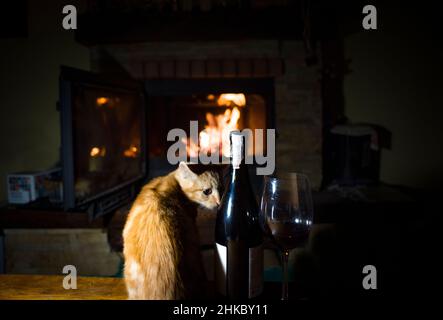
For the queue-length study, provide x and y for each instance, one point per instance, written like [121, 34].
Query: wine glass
[286, 214]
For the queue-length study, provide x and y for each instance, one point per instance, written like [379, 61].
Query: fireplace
[184, 81]
[216, 105]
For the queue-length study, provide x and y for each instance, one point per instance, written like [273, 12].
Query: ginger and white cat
[161, 244]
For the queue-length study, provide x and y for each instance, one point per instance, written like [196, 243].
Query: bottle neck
[239, 171]
[237, 156]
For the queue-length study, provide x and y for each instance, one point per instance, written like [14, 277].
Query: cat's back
[161, 244]
[157, 192]
[150, 248]
[155, 201]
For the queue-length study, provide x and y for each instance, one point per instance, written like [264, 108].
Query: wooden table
[48, 287]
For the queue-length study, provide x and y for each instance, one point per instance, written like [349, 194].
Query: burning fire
[215, 136]
[229, 99]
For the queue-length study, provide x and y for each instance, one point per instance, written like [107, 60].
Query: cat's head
[200, 188]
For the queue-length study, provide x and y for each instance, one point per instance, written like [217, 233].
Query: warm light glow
[131, 152]
[102, 101]
[215, 136]
[230, 99]
[96, 151]
[204, 139]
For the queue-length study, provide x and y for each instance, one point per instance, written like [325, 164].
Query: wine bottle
[238, 236]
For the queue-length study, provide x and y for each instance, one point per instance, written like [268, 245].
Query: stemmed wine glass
[286, 214]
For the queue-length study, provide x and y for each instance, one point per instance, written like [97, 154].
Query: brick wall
[297, 87]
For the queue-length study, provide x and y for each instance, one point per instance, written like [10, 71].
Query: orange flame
[215, 136]
[229, 99]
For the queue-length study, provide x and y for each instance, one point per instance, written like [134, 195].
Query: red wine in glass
[288, 235]
[286, 215]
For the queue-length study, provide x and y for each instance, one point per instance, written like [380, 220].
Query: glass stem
[285, 258]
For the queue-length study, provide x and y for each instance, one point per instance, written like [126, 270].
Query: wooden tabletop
[46, 287]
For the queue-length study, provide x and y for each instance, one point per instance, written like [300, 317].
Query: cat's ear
[184, 175]
[184, 169]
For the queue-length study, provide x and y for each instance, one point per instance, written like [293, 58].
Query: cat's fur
[161, 244]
